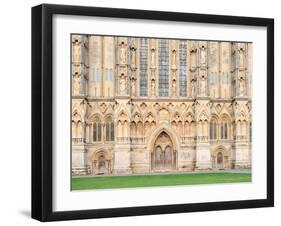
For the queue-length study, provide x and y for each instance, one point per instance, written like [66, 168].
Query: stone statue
[174, 59]
[241, 58]
[153, 58]
[193, 59]
[133, 87]
[122, 54]
[122, 86]
[133, 57]
[76, 84]
[174, 88]
[203, 55]
[203, 86]
[153, 87]
[192, 94]
[241, 87]
[76, 52]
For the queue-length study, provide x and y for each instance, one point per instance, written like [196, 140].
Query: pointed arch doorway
[163, 156]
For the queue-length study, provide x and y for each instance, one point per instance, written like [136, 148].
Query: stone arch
[163, 156]
[225, 126]
[109, 127]
[164, 115]
[220, 157]
[165, 128]
[77, 126]
[214, 127]
[101, 162]
[202, 126]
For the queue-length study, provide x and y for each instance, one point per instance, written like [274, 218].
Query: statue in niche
[153, 58]
[133, 87]
[241, 86]
[193, 59]
[122, 53]
[241, 58]
[192, 91]
[174, 88]
[122, 84]
[76, 84]
[133, 57]
[152, 87]
[203, 55]
[203, 85]
[76, 51]
[174, 59]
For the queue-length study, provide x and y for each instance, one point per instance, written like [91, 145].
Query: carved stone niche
[174, 59]
[193, 54]
[203, 53]
[122, 51]
[76, 39]
[152, 87]
[153, 58]
[241, 57]
[76, 49]
[133, 54]
[133, 86]
[174, 87]
[122, 84]
[76, 83]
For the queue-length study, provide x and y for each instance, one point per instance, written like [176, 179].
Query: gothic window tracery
[213, 129]
[109, 129]
[143, 66]
[182, 68]
[97, 129]
[163, 62]
[225, 128]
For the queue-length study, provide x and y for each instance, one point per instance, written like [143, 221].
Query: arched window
[96, 130]
[109, 130]
[143, 66]
[219, 159]
[224, 129]
[213, 129]
[182, 69]
[163, 63]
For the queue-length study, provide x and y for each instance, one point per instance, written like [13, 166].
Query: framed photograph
[146, 112]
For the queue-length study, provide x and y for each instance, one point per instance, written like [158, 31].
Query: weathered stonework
[145, 105]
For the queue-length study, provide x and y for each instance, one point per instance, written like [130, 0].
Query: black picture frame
[42, 107]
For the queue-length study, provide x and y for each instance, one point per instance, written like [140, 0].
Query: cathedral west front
[147, 105]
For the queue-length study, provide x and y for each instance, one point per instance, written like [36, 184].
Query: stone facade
[143, 105]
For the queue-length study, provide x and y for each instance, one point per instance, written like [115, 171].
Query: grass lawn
[105, 182]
